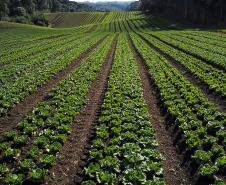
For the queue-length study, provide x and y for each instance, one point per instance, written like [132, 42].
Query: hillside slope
[127, 98]
[68, 20]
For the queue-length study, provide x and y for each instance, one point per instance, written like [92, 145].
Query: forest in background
[198, 11]
[30, 11]
[204, 12]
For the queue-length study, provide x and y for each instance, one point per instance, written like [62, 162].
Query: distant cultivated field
[118, 98]
[68, 20]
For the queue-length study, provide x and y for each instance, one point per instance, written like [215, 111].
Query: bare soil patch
[178, 166]
[17, 114]
[75, 152]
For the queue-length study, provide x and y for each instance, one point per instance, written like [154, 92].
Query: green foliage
[3, 169]
[20, 11]
[104, 177]
[22, 125]
[96, 154]
[111, 164]
[41, 141]
[99, 144]
[26, 165]
[64, 129]
[22, 140]
[202, 157]
[53, 148]
[34, 153]
[4, 146]
[207, 170]
[89, 182]
[221, 163]
[14, 179]
[133, 176]
[47, 160]
[39, 19]
[12, 153]
[37, 175]
[61, 138]
[11, 134]
[92, 170]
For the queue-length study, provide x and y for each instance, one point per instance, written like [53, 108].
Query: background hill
[30, 11]
[67, 20]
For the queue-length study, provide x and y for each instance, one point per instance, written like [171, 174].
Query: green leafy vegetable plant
[14, 179]
[26, 165]
[37, 175]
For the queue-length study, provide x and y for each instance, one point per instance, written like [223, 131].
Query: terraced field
[118, 98]
[68, 20]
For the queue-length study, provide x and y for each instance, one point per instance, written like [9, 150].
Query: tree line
[204, 11]
[30, 11]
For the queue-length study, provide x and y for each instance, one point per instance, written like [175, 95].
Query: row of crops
[125, 148]
[132, 150]
[201, 123]
[68, 20]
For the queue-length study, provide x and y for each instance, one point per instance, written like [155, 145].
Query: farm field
[113, 98]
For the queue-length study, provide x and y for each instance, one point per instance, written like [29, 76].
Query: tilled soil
[74, 154]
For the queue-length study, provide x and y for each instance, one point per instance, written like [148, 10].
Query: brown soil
[75, 152]
[203, 87]
[17, 114]
[178, 166]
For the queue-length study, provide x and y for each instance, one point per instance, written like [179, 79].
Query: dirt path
[176, 171]
[75, 152]
[16, 114]
[204, 88]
